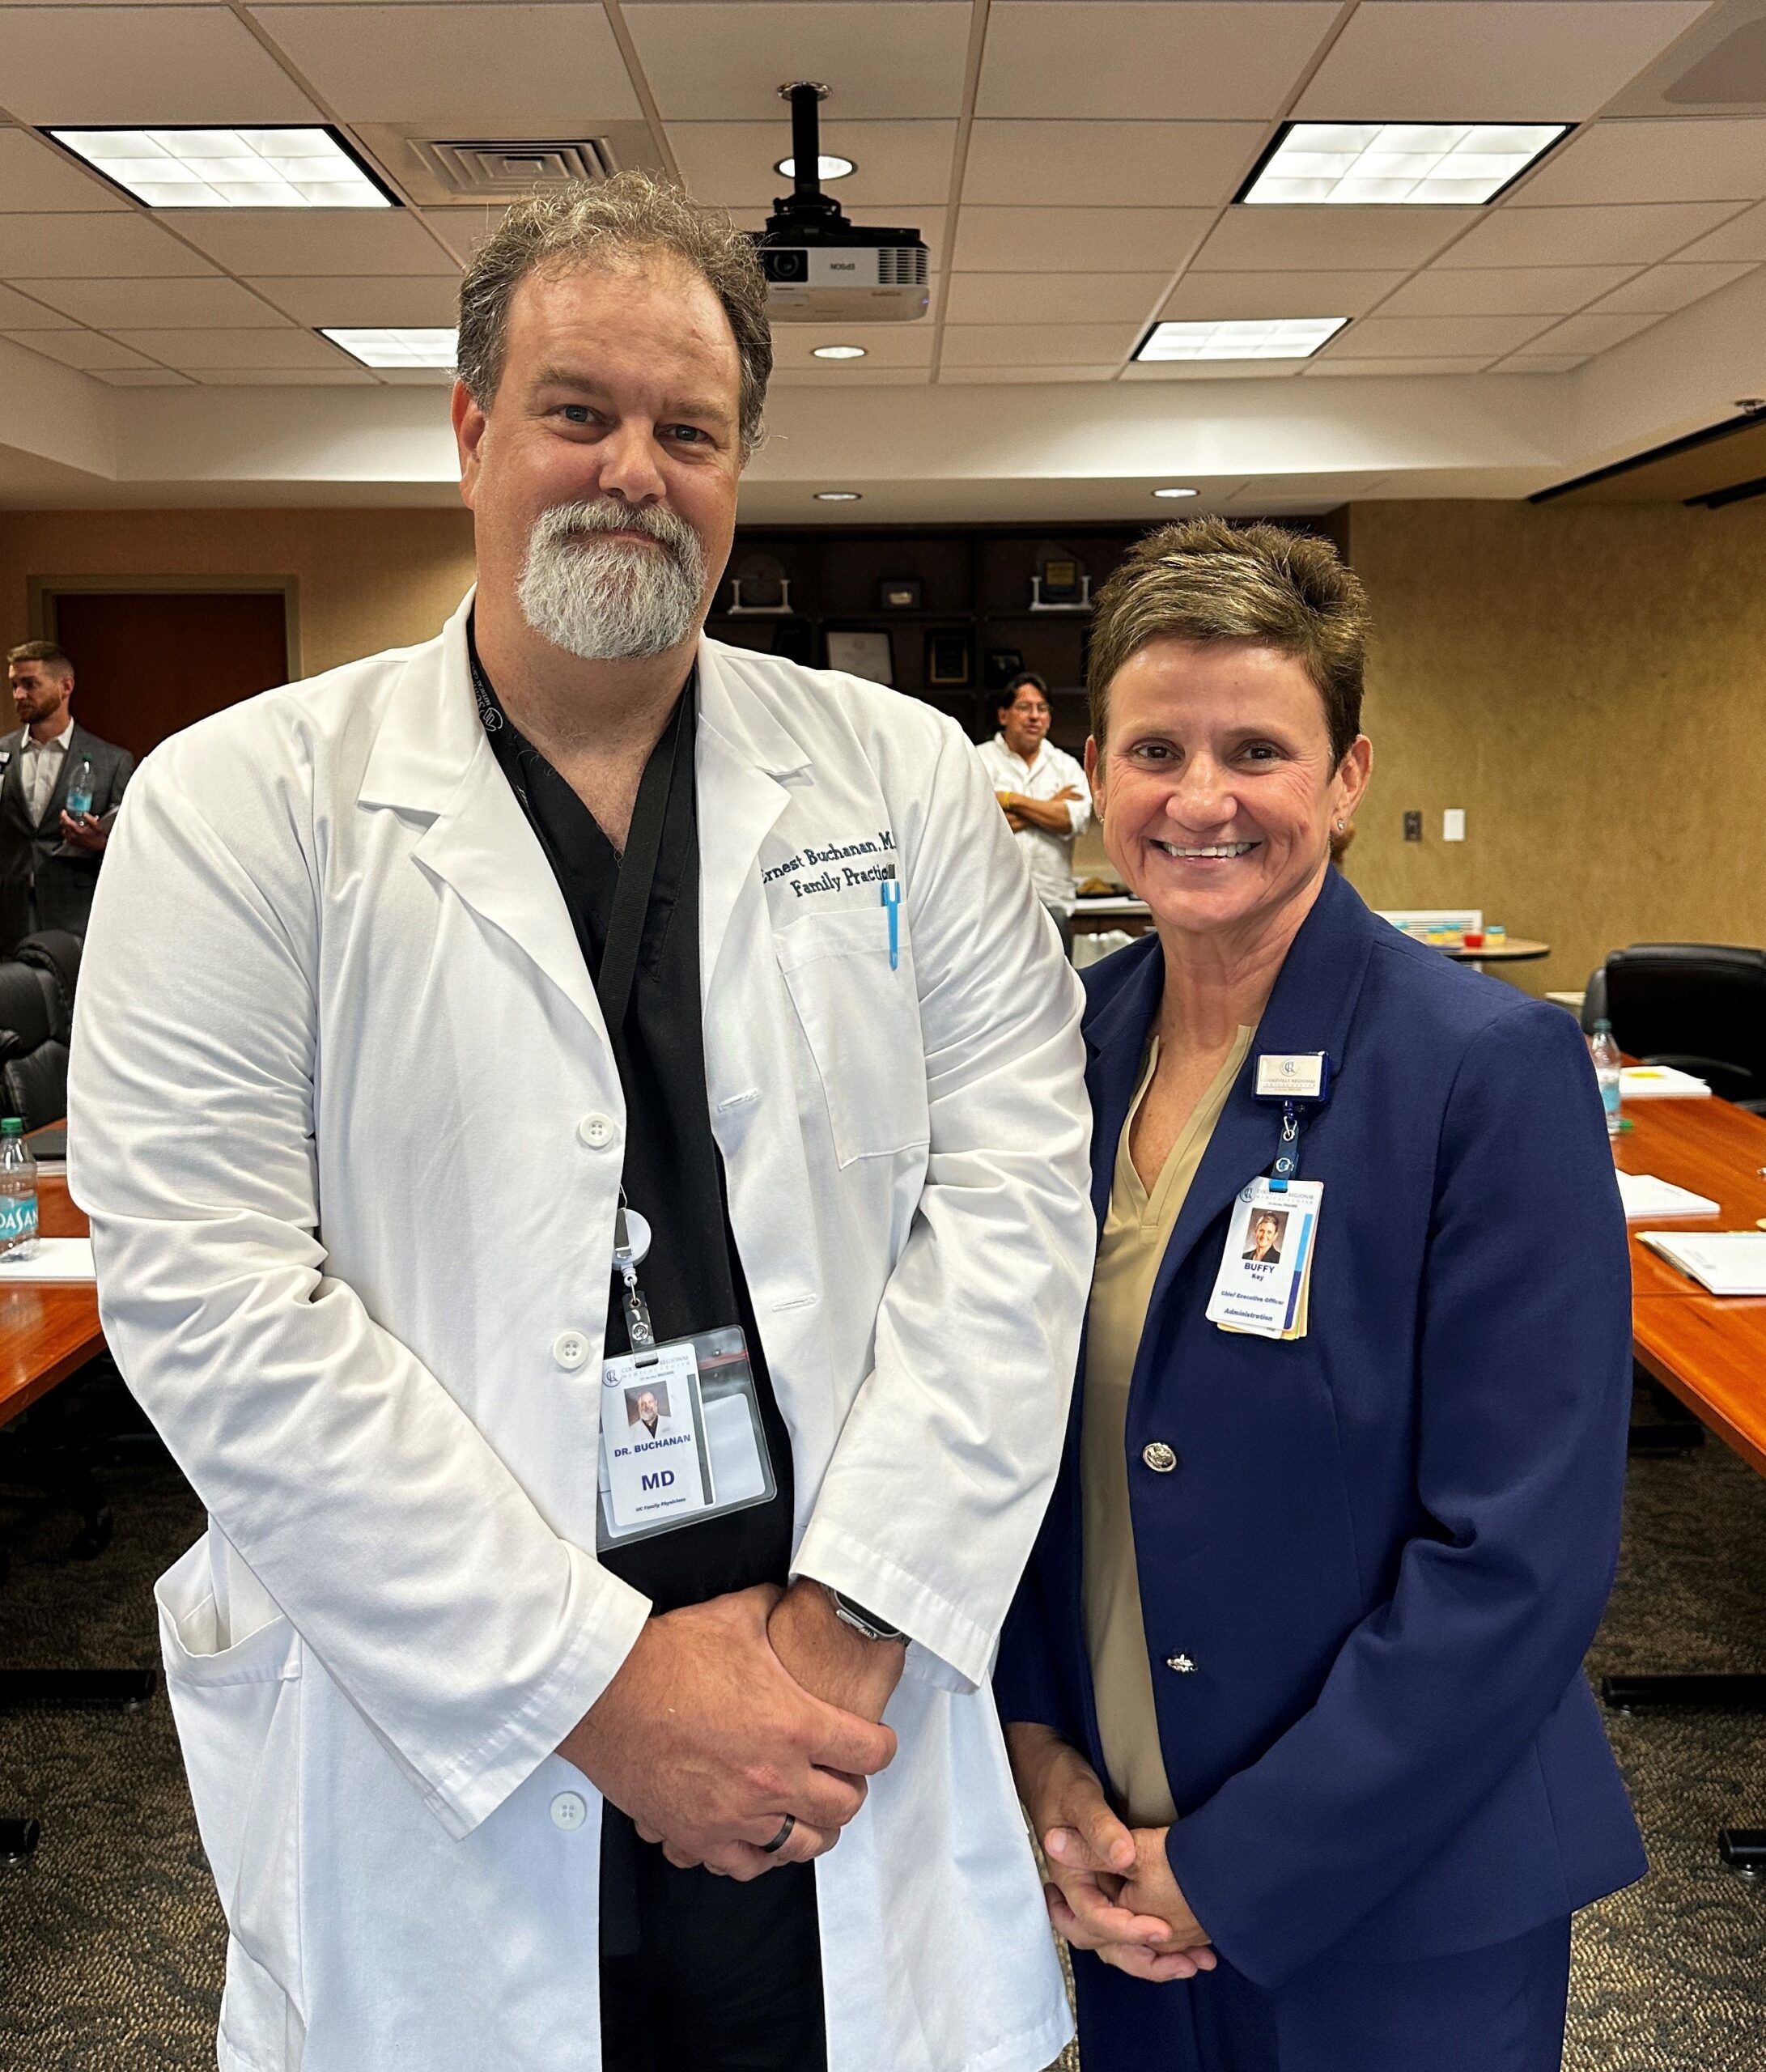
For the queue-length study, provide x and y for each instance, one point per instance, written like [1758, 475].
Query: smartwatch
[861, 1621]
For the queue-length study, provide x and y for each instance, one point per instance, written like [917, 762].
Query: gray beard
[606, 600]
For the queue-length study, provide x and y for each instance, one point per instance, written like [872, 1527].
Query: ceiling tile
[197, 350]
[898, 163]
[140, 377]
[1162, 59]
[1742, 237]
[142, 65]
[1429, 338]
[1474, 363]
[859, 377]
[82, 348]
[285, 377]
[1503, 290]
[1258, 240]
[34, 175]
[66, 248]
[886, 345]
[403, 299]
[133, 305]
[1637, 233]
[1507, 61]
[1665, 289]
[315, 243]
[473, 69]
[1076, 241]
[1540, 364]
[1053, 297]
[1038, 345]
[1687, 160]
[999, 377]
[19, 313]
[415, 377]
[1588, 334]
[709, 63]
[1231, 296]
[1110, 164]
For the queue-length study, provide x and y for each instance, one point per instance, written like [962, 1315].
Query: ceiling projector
[822, 267]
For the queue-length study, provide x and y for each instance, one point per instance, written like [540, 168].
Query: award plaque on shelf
[1060, 583]
[900, 593]
[946, 658]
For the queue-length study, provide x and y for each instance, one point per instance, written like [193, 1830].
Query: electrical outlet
[1413, 826]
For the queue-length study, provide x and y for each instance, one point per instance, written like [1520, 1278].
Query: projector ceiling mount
[820, 267]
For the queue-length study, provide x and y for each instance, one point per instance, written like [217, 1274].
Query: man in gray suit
[49, 857]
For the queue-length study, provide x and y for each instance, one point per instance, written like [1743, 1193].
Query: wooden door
[147, 663]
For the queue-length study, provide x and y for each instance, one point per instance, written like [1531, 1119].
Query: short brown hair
[60, 662]
[589, 224]
[1206, 579]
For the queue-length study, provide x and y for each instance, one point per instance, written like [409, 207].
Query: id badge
[1265, 1269]
[680, 1437]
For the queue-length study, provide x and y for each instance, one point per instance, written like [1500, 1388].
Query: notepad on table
[1727, 1262]
[56, 1258]
[1660, 1083]
[1644, 1195]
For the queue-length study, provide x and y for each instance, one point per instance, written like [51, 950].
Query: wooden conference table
[50, 1330]
[1708, 1350]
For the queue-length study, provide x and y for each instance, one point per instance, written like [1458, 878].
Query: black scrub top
[692, 1278]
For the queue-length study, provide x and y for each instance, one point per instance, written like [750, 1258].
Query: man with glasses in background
[1042, 791]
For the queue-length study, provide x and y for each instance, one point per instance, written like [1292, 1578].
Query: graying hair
[588, 224]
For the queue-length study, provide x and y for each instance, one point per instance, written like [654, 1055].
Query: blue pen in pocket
[890, 888]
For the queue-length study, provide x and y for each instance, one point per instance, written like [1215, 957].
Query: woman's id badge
[1261, 1286]
[680, 1436]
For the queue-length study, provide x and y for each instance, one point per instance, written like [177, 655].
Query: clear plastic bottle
[18, 1192]
[79, 792]
[1605, 1052]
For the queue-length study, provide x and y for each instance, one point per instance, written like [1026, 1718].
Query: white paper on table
[1644, 1195]
[1727, 1262]
[1660, 1083]
[56, 1258]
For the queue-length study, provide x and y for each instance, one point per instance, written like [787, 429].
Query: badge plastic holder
[732, 1468]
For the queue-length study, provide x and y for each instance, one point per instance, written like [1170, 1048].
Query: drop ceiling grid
[1003, 125]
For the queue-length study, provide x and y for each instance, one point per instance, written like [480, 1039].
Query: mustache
[565, 522]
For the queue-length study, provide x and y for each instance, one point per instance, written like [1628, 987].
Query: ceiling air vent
[503, 172]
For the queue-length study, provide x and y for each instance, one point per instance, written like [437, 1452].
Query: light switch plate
[1413, 826]
[1452, 824]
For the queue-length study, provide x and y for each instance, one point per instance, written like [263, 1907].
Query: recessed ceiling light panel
[1277, 338]
[827, 167]
[308, 168]
[1378, 164]
[398, 345]
[839, 352]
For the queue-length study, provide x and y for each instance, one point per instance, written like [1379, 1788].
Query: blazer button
[1181, 1663]
[1159, 1457]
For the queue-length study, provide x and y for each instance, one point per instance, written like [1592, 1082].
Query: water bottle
[79, 792]
[18, 1192]
[1605, 1052]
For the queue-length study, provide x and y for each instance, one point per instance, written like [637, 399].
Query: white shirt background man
[330, 974]
[1042, 790]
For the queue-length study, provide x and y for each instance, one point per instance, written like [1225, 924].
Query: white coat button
[570, 1348]
[597, 1131]
[569, 1810]
[1159, 1457]
[1180, 1662]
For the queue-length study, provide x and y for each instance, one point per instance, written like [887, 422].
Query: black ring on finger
[781, 1838]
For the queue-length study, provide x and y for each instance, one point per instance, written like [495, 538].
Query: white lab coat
[347, 1125]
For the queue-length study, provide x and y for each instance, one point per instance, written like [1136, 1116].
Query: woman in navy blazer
[1370, 1558]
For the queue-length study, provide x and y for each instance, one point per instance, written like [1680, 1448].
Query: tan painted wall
[367, 580]
[1589, 684]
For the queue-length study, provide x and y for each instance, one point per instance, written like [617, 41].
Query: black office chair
[36, 1084]
[1700, 1006]
[56, 953]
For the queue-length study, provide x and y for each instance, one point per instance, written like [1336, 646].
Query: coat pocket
[861, 1020]
[236, 1700]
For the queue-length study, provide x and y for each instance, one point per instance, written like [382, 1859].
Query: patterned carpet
[111, 1943]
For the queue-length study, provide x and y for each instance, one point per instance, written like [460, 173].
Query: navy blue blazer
[1386, 1546]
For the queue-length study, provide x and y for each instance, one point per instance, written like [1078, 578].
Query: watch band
[861, 1621]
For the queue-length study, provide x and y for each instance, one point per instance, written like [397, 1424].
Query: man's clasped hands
[727, 1717]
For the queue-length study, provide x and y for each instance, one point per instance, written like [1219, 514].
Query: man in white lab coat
[397, 1144]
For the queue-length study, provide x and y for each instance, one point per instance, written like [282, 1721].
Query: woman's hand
[1091, 1856]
